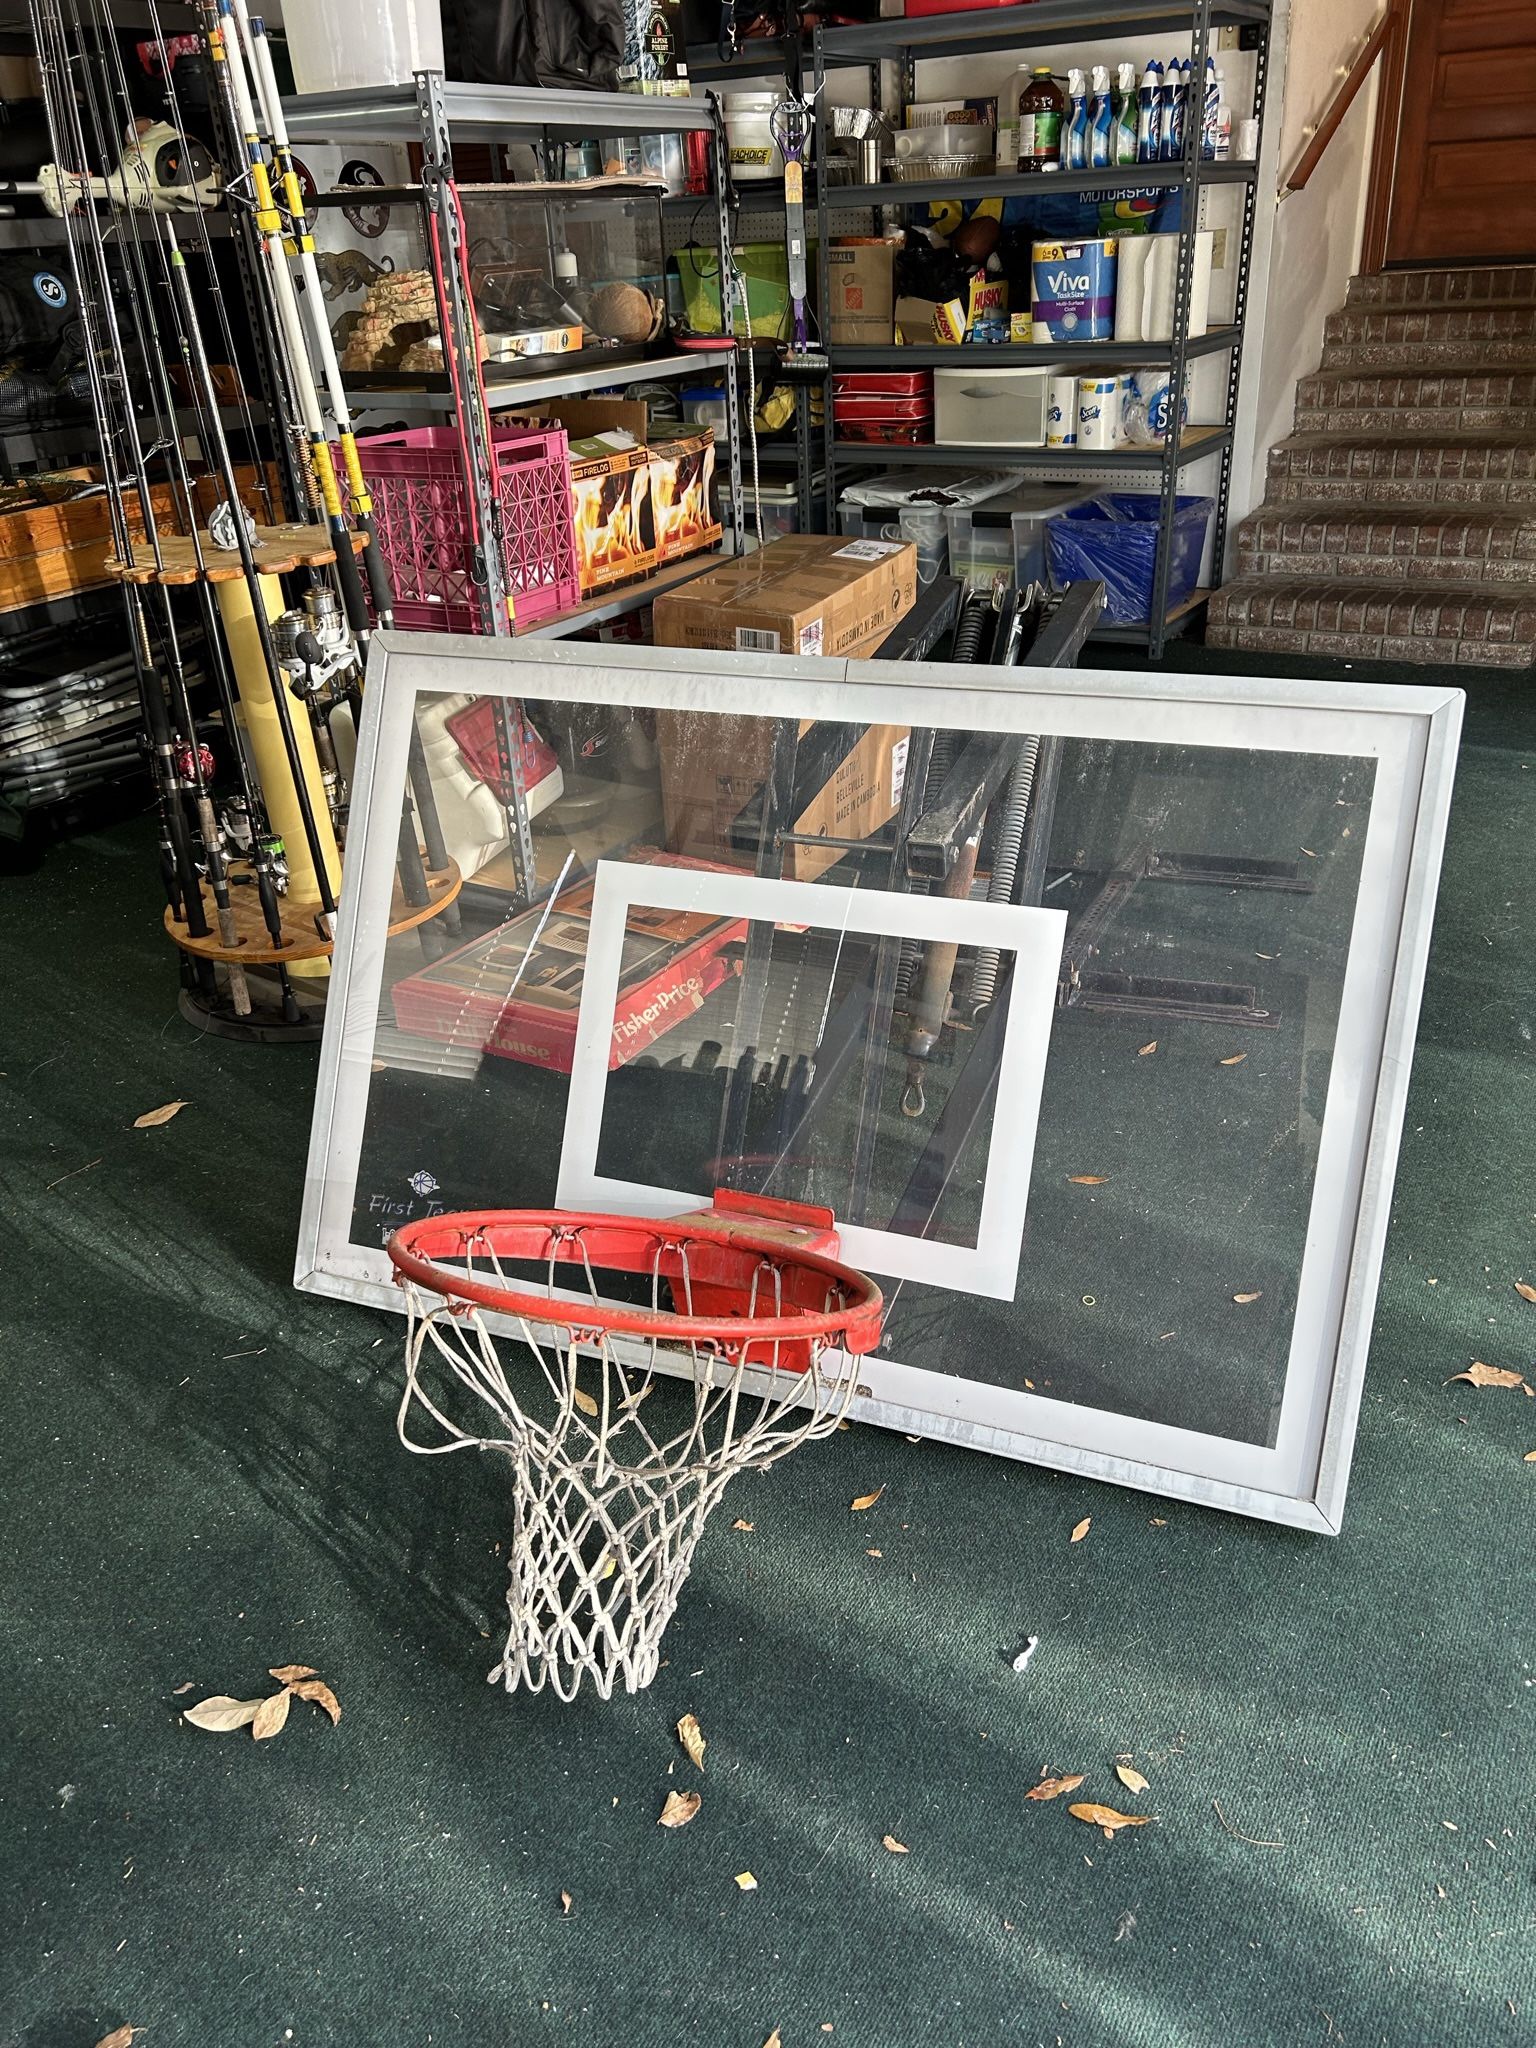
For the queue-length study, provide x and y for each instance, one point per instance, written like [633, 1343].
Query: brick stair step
[1495, 352]
[1441, 400]
[1371, 326]
[1448, 625]
[1430, 544]
[1411, 469]
[1505, 284]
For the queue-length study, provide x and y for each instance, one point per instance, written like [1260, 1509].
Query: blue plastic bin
[1114, 537]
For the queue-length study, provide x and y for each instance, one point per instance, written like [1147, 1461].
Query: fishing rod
[178, 865]
[141, 303]
[248, 60]
[190, 759]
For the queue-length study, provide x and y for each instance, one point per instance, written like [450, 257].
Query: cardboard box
[861, 291]
[803, 594]
[611, 509]
[714, 770]
[671, 961]
[682, 482]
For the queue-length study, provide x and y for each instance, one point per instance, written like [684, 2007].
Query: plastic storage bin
[923, 525]
[422, 524]
[1006, 535]
[1114, 537]
[764, 267]
[979, 407]
[780, 502]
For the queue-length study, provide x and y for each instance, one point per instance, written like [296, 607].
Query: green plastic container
[765, 269]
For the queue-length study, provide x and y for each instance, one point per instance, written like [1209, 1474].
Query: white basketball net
[607, 1514]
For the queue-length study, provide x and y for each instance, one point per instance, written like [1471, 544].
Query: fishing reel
[315, 648]
[158, 172]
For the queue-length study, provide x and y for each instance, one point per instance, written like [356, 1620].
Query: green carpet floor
[201, 1480]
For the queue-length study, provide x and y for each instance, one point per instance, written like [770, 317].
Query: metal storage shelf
[1006, 355]
[614, 604]
[503, 397]
[1195, 445]
[1014, 30]
[488, 113]
[1014, 185]
[1040, 21]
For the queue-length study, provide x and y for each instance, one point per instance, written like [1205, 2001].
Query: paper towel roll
[1159, 278]
[1130, 284]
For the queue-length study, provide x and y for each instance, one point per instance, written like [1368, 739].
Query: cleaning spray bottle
[1074, 129]
[1124, 148]
[1149, 113]
[1101, 121]
[1210, 104]
[1172, 101]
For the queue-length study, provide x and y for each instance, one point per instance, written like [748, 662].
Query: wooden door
[1464, 189]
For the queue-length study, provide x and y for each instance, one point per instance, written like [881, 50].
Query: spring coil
[940, 760]
[1005, 865]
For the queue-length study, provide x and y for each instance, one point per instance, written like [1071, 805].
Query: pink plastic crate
[421, 522]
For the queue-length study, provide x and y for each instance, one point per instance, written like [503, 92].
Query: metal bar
[720, 165]
[1061, 637]
[1239, 321]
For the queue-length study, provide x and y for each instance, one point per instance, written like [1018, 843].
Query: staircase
[1399, 522]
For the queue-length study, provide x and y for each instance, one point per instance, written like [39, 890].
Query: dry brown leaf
[584, 1401]
[271, 1716]
[1525, 1290]
[1082, 1529]
[679, 1809]
[1087, 1180]
[153, 1117]
[1052, 1788]
[221, 1714]
[1253, 1294]
[745, 1881]
[1107, 1818]
[291, 1673]
[1235, 1061]
[565, 1904]
[874, 1553]
[317, 1690]
[1150, 1046]
[1158, 1522]
[1130, 1778]
[1529, 1458]
[691, 1736]
[1480, 1375]
[774, 2040]
[896, 1848]
[866, 1500]
[178, 1690]
[740, 1524]
[120, 2037]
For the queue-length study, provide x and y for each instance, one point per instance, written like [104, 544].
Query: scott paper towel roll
[1130, 283]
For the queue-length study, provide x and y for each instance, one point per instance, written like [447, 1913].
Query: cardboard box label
[756, 640]
[812, 637]
[868, 550]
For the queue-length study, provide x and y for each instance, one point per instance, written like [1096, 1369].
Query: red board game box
[515, 991]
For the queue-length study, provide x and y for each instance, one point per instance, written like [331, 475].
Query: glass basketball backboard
[1085, 1001]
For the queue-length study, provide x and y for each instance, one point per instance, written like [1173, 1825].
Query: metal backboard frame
[1408, 732]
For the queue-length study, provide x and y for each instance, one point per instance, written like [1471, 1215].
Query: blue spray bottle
[1173, 101]
[1074, 129]
[1149, 107]
[1101, 121]
[1211, 105]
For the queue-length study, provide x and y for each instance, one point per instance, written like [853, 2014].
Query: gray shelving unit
[1018, 30]
[432, 113]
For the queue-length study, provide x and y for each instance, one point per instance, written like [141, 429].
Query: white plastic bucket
[337, 44]
[749, 135]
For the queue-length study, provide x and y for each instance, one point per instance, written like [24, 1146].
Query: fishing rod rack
[250, 843]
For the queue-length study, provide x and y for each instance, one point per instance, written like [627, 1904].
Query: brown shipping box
[861, 291]
[806, 593]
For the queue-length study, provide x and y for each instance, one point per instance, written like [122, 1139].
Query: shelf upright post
[1240, 312]
[727, 275]
[1189, 222]
[461, 355]
[823, 304]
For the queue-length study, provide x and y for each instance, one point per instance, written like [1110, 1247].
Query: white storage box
[980, 407]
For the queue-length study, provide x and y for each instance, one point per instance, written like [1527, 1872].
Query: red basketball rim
[632, 1244]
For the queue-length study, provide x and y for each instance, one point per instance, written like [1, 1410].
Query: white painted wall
[1308, 247]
